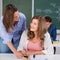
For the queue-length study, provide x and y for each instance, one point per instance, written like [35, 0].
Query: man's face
[48, 24]
[16, 16]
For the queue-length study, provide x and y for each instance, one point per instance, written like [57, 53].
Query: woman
[36, 40]
[11, 25]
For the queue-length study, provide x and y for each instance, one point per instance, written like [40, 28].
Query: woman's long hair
[41, 28]
[9, 16]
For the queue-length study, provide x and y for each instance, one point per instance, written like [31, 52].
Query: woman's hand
[18, 54]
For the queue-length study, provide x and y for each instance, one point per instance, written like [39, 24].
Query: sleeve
[48, 46]
[22, 42]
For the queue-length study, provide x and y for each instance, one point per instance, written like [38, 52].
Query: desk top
[37, 57]
[10, 57]
[56, 44]
[45, 57]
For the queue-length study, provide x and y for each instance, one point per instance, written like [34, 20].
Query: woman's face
[16, 16]
[34, 25]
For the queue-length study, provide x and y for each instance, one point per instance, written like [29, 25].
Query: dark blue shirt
[53, 32]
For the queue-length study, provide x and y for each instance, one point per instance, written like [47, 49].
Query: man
[51, 29]
[12, 24]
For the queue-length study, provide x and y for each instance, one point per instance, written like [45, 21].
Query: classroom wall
[50, 8]
[38, 7]
[0, 8]
[58, 35]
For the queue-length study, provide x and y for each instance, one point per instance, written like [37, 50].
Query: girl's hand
[23, 52]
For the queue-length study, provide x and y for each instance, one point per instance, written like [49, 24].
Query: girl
[36, 40]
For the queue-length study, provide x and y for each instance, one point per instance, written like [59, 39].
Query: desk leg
[54, 50]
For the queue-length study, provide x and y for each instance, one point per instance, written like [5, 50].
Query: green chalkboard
[50, 8]
[24, 6]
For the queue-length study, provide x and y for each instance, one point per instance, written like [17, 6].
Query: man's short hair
[48, 19]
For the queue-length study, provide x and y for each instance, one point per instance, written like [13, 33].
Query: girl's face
[34, 25]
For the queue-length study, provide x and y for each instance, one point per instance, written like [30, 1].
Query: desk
[56, 45]
[37, 57]
[45, 57]
[10, 57]
[57, 48]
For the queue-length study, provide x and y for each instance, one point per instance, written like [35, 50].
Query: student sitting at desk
[51, 29]
[36, 40]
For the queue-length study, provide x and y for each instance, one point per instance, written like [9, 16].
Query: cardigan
[48, 46]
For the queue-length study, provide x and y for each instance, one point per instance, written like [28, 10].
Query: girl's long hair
[41, 29]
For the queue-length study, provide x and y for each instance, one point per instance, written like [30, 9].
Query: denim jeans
[4, 48]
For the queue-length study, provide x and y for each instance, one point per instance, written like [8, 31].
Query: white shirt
[48, 47]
